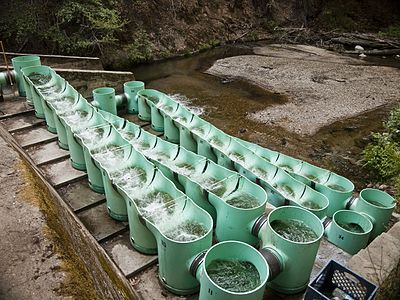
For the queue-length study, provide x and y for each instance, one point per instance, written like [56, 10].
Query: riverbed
[235, 103]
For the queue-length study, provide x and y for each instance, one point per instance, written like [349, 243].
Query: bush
[393, 125]
[140, 49]
[382, 156]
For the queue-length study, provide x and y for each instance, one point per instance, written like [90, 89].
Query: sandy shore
[322, 87]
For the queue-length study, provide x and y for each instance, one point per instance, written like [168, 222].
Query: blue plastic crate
[335, 281]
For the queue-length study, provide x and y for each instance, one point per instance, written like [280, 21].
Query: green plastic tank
[310, 174]
[314, 202]
[290, 240]
[131, 89]
[182, 231]
[338, 190]
[19, 63]
[48, 93]
[67, 99]
[140, 236]
[171, 129]
[349, 230]
[231, 253]
[155, 101]
[104, 97]
[286, 162]
[237, 209]
[377, 206]
[264, 153]
[77, 117]
[35, 96]
[116, 203]
[145, 98]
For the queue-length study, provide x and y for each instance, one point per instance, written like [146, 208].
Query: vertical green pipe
[230, 251]
[131, 89]
[293, 260]
[377, 205]
[104, 98]
[349, 230]
[20, 62]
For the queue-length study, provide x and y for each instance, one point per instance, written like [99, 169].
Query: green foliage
[391, 31]
[68, 26]
[208, 45]
[140, 49]
[86, 25]
[392, 125]
[382, 156]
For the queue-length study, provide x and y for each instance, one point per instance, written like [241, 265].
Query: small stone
[362, 55]
[358, 48]
[242, 130]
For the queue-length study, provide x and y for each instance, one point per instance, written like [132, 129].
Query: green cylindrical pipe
[338, 190]
[295, 259]
[231, 251]
[235, 222]
[146, 99]
[35, 96]
[116, 204]
[61, 132]
[349, 230]
[20, 62]
[75, 151]
[37, 103]
[175, 252]
[378, 206]
[94, 173]
[131, 89]
[104, 99]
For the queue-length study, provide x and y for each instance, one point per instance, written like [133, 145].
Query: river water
[226, 102]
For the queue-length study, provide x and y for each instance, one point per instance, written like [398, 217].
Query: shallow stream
[226, 102]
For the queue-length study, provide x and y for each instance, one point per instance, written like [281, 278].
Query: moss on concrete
[78, 282]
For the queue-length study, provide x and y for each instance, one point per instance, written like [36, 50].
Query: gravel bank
[322, 86]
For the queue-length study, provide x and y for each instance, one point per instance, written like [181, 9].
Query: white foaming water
[186, 231]
[110, 156]
[218, 187]
[91, 136]
[129, 136]
[75, 117]
[186, 102]
[181, 168]
[63, 104]
[129, 178]
[156, 155]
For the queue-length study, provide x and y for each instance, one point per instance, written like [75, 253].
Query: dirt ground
[322, 87]
[30, 268]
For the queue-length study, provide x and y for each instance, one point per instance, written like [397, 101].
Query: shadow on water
[226, 102]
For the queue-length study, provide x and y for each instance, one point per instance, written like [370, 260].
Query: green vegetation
[392, 31]
[208, 45]
[70, 26]
[382, 155]
[140, 49]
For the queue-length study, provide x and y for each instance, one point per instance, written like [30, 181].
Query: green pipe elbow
[349, 230]
[121, 99]
[5, 78]
[21, 62]
[377, 205]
